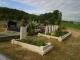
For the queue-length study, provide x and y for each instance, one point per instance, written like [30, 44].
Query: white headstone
[23, 32]
[49, 28]
[56, 27]
[46, 29]
[52, 28]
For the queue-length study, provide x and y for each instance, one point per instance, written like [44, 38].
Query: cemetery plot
[60, 38]
[35, 46]
[52, 31]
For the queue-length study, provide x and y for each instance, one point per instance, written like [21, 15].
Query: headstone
[23, 32]
[56, 27]
[51, 28]
[46, 29]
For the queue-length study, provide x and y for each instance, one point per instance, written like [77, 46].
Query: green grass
[61, 33]
[71, 25]
[58, 34]
[33, 41]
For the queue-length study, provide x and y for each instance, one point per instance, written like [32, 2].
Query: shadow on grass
[8, 38]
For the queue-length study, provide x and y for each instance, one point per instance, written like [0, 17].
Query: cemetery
[28, 29]
[37, 45]
[51, 30]
[37, 38]
[34, 30]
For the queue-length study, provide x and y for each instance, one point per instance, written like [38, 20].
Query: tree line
[54, 17]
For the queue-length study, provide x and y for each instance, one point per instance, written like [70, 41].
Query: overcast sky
[69, 8]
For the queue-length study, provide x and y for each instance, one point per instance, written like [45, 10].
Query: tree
[56, 17]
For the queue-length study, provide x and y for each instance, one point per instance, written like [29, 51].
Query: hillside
[10, 14]
[54, 17]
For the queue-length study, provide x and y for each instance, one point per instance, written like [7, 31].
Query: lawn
[66, 50]
[71, 25]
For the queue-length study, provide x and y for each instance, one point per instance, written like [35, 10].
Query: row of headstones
[51, 28]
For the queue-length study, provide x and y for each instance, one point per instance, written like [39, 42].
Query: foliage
[60, 33]
[14, 14]
[54, 17]
[51, 18]
[31, 28]
[32, 41]
[38, 43]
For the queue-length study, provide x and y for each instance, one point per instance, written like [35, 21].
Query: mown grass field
[69, 49]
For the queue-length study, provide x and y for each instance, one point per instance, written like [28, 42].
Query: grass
[71, 25]
[61, 33]
[33, 41]
[66, 50]
[58, 34]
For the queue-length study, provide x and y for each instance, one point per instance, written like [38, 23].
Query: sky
[70, 8]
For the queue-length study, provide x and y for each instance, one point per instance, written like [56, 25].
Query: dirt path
[75, 33]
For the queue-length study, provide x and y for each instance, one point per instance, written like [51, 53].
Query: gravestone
[23, 32]
[51, 28]
[46, 29]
